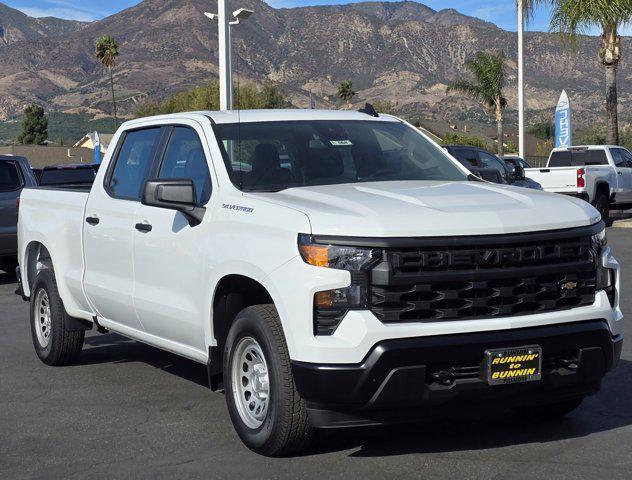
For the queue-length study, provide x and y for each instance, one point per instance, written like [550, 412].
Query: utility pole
[521, 149]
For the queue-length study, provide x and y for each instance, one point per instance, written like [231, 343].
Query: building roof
[105, 138]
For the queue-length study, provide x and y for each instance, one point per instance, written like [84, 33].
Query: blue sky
[500, 12]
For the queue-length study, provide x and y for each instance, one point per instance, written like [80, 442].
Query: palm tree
[489, 74]
[346, 93]
[107, 51]
[573, 17]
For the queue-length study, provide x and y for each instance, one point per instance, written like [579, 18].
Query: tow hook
[570, 364]
[443, 377]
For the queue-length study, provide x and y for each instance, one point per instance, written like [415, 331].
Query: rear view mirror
[178, 194]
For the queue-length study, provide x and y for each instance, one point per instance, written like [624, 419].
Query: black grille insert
[499, 279]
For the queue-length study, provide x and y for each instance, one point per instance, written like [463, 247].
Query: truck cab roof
[248, 116]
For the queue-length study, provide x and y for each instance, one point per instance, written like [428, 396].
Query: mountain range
[401, 52]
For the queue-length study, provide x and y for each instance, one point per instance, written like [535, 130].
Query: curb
[622, 224]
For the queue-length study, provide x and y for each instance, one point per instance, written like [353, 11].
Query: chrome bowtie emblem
[568, 285]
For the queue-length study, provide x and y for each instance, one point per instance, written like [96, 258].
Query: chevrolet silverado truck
[330, 268]
[599, 175]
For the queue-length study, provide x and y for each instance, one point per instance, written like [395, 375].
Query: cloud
[64, 9]
[65, 13]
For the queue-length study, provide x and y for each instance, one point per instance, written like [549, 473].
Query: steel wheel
[250, 381]
[42, 318]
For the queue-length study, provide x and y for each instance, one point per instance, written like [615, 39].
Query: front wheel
[265, 408]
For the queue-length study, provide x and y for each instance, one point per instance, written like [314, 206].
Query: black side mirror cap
[519, 173]
[174, 194]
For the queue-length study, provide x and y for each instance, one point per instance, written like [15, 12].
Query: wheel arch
[37, 257]
[233, 293]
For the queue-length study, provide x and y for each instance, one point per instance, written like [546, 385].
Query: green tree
[106, 53]
[487, 88]
[206, 97]
[574, 17]
[384, 106]
[542, 130]
[273, 96]
[346, 93]
[34, 126]
[453, 138]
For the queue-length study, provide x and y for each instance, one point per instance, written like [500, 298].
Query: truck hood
[423, 208]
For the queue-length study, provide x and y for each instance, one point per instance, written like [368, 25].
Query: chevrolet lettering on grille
[488, 258]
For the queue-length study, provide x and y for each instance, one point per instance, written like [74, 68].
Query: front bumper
[399, 376]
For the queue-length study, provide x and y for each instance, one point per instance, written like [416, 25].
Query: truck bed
[57, 215]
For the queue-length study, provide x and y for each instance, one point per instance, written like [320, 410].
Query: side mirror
[519, 173]
[178, 194]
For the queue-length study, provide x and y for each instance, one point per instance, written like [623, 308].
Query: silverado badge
[568, 285]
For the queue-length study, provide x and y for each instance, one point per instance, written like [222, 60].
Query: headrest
[265, 157]
[323, 164]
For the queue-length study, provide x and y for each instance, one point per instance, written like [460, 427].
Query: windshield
[272, 156]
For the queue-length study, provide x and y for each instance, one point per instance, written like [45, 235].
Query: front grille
[462, 300]
[498, 277]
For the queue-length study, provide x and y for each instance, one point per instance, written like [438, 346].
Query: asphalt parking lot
[132, 411]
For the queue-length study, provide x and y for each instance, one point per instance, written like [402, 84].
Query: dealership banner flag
[563, 126]
[97, 148]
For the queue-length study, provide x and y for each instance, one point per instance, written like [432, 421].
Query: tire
[9, 264]
[54, 344]
[551, 411]
[602, 204]
[279, 425]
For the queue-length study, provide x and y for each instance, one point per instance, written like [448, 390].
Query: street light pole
[225, 67]
[521, 139]
[225, 43]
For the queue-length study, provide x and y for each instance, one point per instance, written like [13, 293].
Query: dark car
[517, 161]
[15, 174]
[490, 167]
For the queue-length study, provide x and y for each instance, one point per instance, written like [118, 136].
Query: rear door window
[467, 156]
[132, 163]
[10, 178]
[626, 157]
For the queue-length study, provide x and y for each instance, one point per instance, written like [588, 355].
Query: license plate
[514, 365]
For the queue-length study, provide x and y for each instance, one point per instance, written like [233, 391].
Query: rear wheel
[602, 204]
[551, 411]
[266, 410]
[8, 264]
[54, 342]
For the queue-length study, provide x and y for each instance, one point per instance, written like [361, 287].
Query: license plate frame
[511, 365]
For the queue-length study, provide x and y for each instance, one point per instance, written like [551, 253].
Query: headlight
[330, 306]
[605, 276]
[599, 240]
[352, 259]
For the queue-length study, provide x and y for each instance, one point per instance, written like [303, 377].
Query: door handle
[92, 220]
[143, 227]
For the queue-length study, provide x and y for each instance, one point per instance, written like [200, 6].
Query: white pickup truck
[330, 268]
[598, 174]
